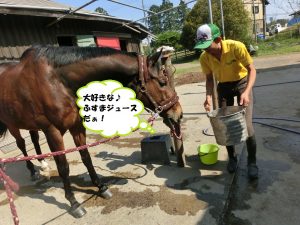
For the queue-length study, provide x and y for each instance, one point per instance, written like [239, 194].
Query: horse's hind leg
[15, 132]
[35, 140]
[79, 138]
[55, 142]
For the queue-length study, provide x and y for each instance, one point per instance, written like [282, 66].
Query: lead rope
[172, 129]
[174, 134]
[11, 186]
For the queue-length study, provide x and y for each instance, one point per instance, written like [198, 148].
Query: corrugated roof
[47, 5]
[34, 3]
[52, 6]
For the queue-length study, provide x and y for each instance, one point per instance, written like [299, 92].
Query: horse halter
[143, 78]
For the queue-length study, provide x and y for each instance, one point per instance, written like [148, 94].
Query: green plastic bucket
[208, 153]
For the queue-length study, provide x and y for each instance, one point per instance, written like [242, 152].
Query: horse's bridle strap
[170, 102]
[144, 77]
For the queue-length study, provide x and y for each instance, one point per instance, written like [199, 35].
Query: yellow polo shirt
[232, 66]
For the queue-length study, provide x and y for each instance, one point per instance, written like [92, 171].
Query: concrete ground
[164, 194]
[274, 199]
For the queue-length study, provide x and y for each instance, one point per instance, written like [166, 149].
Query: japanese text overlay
[109, 109]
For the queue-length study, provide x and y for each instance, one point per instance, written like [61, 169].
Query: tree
[101, 10]
[170, 38]
[182, 11]
[171, 20]
[168, 18]
[283, 22]
[288, 6]
[236, 19]
[154, 22]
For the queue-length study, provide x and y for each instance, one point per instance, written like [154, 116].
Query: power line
[163, 11]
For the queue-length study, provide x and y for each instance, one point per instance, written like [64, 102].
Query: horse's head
[156, 91]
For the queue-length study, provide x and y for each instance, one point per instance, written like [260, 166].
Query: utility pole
[214, 94]
[143, 7]
[210, 11]
[254, 21]
[222, 18]
[265, 18]
[146, 25]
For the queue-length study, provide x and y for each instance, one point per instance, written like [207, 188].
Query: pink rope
[10, 185]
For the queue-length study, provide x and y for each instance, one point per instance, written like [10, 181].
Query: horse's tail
[3, 129]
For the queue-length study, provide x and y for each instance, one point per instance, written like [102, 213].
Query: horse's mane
[60, 56]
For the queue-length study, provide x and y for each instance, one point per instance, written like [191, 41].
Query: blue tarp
[293, 21]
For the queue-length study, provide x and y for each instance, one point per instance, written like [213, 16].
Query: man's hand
[207, 104]
[244, 100]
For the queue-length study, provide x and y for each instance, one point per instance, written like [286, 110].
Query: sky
[278, 9]
[118, 10]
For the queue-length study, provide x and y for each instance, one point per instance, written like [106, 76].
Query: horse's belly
[17, 114]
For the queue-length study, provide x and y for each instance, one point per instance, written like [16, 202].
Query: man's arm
[251, 80]
[209, 92]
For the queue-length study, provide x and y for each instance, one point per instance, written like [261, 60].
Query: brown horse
[20, 140]
[39, 93]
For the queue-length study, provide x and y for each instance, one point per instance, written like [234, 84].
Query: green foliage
[281, 21]
[169, 20]
[236, 21]
[154, 22]
[182, 11]
[101, 10]
[169, 17]
[170, 38]
[284, 42]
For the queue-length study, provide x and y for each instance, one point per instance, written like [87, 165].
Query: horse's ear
[155, 57]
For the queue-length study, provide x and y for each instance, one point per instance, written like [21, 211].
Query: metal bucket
[229, 125]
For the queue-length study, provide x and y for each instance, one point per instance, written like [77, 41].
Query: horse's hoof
[35, 176]
[172, 151]
[180, 163]
[45, 166]
[106, 194]
[78, 212]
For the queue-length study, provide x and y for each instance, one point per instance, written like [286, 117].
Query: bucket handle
[243, 111]
[205, 154]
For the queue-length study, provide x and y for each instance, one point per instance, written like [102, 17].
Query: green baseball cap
[206, 34]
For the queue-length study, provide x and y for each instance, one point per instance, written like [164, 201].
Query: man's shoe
[232, 164]
[252, 171]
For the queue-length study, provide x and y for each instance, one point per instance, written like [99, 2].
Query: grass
[278, 46]
[187, 67]
[287, 41]
[180, 71]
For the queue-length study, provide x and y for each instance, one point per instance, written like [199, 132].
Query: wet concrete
[273, 199]
[197, 194]
[170, 203]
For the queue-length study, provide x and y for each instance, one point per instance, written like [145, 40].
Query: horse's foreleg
[15, 132]
[79, 138]
[179, 152]
[35, 140]
[55, 142]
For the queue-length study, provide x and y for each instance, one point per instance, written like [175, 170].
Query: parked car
[275, 29]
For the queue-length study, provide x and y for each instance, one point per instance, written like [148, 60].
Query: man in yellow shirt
[232, 66]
